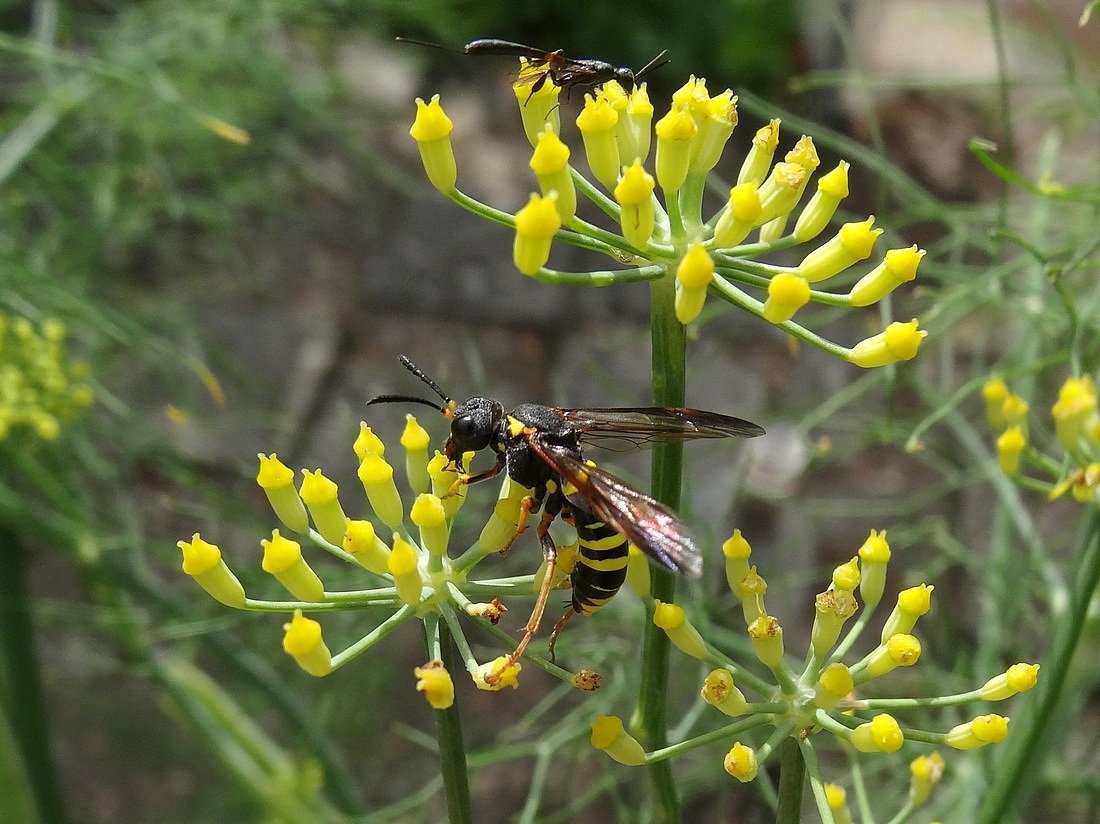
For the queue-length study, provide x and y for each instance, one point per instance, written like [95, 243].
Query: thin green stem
[402, 615]
[452, 753]
[706, 738]
[669, 349]
[22, 687]
[1025, 750]
[813, 770]
[603, 277]
[792, 778]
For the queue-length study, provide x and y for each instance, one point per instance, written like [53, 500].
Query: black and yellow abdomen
[601, 564]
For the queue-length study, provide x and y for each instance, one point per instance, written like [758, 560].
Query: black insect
[564, 72]
[541, 448]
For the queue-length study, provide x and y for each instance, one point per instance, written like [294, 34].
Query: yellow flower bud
[833, 607]
[899, 342]
[367, 443]
[302, 641]
[912, 604]
[736, 551]
[833, 685]
[435, 683]
[837, 799]
[780, 191]
[277, 481]
[720, 691]
[897, 267]
[899, 651]
[443, 480]
[404, 565]
[320, 495]
[636, 123]
[831, 189]
[925, 772]
[740, 215]
[994, 393]
[377, 478]
[550, 163]
[536, 224]
[766, 636]
[596, 123]
[537, 109]
[1074, 412]
[1017, 678]
[985, 729]
[1010, 446]
[693, 274]
[751, 589]
[361, 541]
[415, 440]
[427, 512]
[880, 734]
[740, 762]
[672, 619]
[283, 559]
[634, 194]
[203, 562]
[637, 571]
[609, 735]
[875, 555]
[847, 575]
[759, 158]
[497, 674]
[850, 245]
[718, 120]
[432, 132]
[675, 132]
[787, 293]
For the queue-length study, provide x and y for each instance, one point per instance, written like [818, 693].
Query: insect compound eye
[471, 433]
[625, 76]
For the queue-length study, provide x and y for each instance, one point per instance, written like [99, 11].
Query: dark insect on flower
[564, 72]
[541, 448]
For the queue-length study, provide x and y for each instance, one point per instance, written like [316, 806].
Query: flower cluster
[667, 238]
[823, 695]
[40, 387]
[403, 550]
[1076, 429]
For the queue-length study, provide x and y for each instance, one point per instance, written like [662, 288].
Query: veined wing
[644, 425]
[646, 522]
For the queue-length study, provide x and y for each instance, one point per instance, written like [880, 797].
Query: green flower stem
[675, 219]
[386, 597]
[731, 293]
[756, 249]
[753, 267]
[691, 203]
[719, 734]
[813, 770]
[400, 617]
[1023, 753]
[539, 661]
[833, 725]
[331, 549]
[792, 777]
[669, 351]
[448, 732]
[501, 586]
[907, 809]
[853, 634]
[859, 785]
[604, 203]
[911, 703]
[1042, 461]
[606, 277]
[22, 688]
[447, 612]
[785, 679]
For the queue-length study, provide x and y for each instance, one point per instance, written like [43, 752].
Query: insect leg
[530, 503]
[484, 475]
[558, 627]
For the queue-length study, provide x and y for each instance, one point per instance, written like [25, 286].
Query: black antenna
[655, 63]
[406, 399]
[416, 370]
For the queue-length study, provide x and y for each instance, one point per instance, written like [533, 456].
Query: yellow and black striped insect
[562, 71]
[541, 448]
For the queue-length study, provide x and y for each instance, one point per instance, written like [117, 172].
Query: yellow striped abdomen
[601, 565]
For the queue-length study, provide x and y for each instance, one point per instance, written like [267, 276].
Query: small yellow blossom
[403, 565]
[302, 641]
[740, 215]
[283, 559]
[899, 342]
[1010, 446]
[596, 123]
[415, 440]
[912, 604]
[985, 729]
[693, 274]
[837, 799]
[831, 189]
[428, 514]
[850, 245]
[780, 191]
[435, 683]
[787, 293]
[497, 674]
[536, 224]
[874, 555]
[899, 650]
[736, 551]
[634, 132]
[898, 266]
[740, 762]
[880, 734]
[675, 132]
[716, 123]
[1015, 409]
[634, 194]
[376, 475]
[833, 685]
[362, 542]
[751, 589]
[537, 109]
[994, 392]
[673, 620]
[277, 481]
[550, 163]
[1017, 678]
[320, 495]
[720, 691]
[759, 159]
[847, 575]
[833, 608]
[432, 132]
[766, 636]
[203, 561]
[1074, 412]
[925, 771]
[609, 735]
[367, 443]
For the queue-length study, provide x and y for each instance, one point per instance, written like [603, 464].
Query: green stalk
[1022, 757]
[792, 775]
[669, 385]
[452, 754]
[22, 688]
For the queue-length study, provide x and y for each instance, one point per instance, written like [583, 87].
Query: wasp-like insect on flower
[564, 72]
[541, 448]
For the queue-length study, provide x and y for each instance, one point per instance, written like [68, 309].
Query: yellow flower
[550, 163]
[740, 215]
[497, 674]
[435, 683]
[1017, 678]
[693, 274]
[377, 477]
[899, 651]
[985, 729]
[740, 762]
[766, 636]
[880, 734]
[361, 541]
[537, 109]
[634, 194]
[675, 132]
[850, 245]
[912, 604]
[1010, 446]
[831, 189]
[672, 619]
[609, 735]
[897, 267]
[1074, 412]
[720, 691]
[427, 512]
[925, 771]
[203, 562]
[787, 293]
[283, 559]
[432, 132]
[874, 555]
[596, 123]
[302, 641]
[404, 565]
[536, 225]
[900, 341]
[833, 685]
[277, 481]
[833, 608]
[759, 159]
[415, 440]
[319, 494]
[994, 392]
